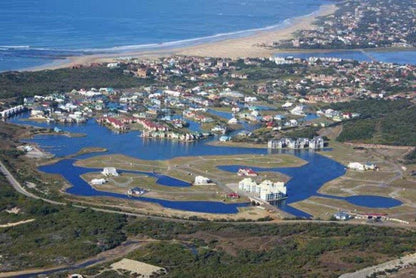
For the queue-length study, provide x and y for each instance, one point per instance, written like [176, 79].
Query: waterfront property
[136, 191]
[362, 166]
[200, 180]
[266, 190]
[304, 183]
[342, 215]
[110, 171]
[316, 143]
[248, 172]
[98, 181]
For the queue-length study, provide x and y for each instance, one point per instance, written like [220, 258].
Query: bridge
[12, 111]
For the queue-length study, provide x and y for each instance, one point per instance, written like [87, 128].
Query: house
[233, 195]
[362, 167]
[75, 276]
[112, 65]
[27, 148]
[298, 110]
[225, 138]
[200, 180]
[233, 121]
[356, 166]
[136, 191]
[248, 172]
[342, 215]
[110, 171]
[98, 181]
[370, 166]
[57, 129]
[287, 105]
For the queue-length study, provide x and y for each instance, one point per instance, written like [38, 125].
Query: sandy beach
[249, 46]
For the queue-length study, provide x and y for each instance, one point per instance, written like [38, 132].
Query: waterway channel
[305, 180]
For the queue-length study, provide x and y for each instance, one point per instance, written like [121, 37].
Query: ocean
[36, 32]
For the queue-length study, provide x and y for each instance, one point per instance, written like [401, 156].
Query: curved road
[19, 188]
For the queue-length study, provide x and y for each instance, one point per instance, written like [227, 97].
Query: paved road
[19, 188]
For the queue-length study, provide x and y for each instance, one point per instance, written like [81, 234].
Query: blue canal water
[398, 57]
[305, 180]
[35, 32]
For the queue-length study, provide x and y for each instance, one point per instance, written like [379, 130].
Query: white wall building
[266, 190]
[110, 171]
[362, 167]
[200, 180]
[98, 181]
[356, 166]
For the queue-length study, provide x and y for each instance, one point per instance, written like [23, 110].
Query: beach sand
[245, 47]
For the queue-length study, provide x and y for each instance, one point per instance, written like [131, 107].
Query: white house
[247, 185]
[287, 105]
[356, 166]
[200, 180]
[362, 167]
[224, 138]
[233, 121]
[112, 65]
[370, 166]
[250, 99]
[298, 110]
[27, 148]
[110, 171]
[98, 181]
[342, 215]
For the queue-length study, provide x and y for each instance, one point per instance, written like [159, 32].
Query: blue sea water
[34, 32]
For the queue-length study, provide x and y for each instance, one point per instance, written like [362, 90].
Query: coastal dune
[248, 46]
[251, 46]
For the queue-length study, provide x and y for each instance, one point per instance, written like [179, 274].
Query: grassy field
[125, 181]
[186, 168]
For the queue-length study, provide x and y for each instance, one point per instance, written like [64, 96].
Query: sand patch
[142, 269]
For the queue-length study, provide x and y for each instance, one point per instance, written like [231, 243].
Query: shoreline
[239, 47]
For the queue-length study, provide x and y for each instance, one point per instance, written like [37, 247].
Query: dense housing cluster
[361, 24]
